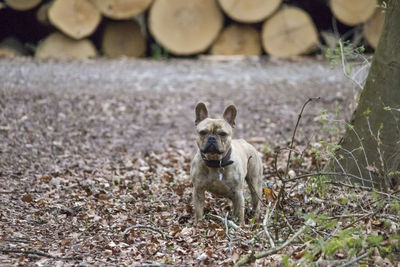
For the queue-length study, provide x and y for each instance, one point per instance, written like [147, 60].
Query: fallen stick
[230, 223]
[139, 226]
[265, 225]
[38, 253]
[252, 257]
[349, 263]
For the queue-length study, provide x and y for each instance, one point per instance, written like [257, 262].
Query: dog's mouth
[211, 148]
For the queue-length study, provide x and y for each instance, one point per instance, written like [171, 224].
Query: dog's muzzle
[212, 146]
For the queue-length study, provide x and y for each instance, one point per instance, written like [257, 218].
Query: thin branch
[227, 232]
[229, 222]
[291, 147]
[252, 257]
[366, 188]
[17, 240]
[332, 174]
[38, 253]
[350, 263]
[295, 130]
[265, 225]
[148, 227]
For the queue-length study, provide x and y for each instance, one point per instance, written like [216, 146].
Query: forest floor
[94, 159]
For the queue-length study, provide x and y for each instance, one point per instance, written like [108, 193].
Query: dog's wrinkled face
[214, 135]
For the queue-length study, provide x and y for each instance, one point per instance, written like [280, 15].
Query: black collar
[225, 161]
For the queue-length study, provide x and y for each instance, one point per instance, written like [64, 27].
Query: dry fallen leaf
[298, 254]
[270, 194]
[377, 223]
[27, 198]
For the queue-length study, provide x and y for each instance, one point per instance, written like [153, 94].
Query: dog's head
[214, 135]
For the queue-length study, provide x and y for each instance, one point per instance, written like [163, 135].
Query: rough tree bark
[374, 137]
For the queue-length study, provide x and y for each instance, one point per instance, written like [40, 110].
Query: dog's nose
[212, 138]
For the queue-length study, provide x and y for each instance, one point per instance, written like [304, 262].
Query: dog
[222, 164]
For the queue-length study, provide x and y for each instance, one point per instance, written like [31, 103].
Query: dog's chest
[223, 183]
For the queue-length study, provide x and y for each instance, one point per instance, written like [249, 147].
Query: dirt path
[141, 104]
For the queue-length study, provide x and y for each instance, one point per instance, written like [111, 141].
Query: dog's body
[222, 165]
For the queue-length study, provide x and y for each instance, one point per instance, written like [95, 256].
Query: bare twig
[366, 188]
[350, 263]
[38, 253]
[148, 227]
[295, 130]
[227, 232]
[229, 222]
[265, 224]
[252, 257]
[291, 148]
[332, 174]
[17, 240]
[345, 72]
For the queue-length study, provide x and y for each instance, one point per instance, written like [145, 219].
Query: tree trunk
[374, 137]
[185, 27]
[238, 40]
[22, 5]
[57, 45]
[373, 28]
[353, 12]
[249, 11]
[75, 18]
[123, 38]
[289, 32]
[121, 9]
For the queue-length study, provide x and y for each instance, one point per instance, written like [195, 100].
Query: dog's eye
[203, 133]
[223, 134]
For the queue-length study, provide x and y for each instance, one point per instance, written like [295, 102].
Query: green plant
[158, 52]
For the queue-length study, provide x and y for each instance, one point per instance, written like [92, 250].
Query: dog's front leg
[198, 201]
[238, 206]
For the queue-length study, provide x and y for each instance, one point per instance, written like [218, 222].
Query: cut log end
[75, 18]
[123, 39]
[60, 46]
[373, 28]
[353, 12]
[238, 40]
[185, 27]
[249, 11]
[289, 32]
[117, 9]
[22, 5]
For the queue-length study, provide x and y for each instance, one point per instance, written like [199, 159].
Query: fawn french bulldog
[222, 164]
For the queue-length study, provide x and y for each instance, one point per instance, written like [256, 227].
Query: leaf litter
[101, 178]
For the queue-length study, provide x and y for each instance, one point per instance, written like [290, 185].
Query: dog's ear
[230, 114]
[201, 112]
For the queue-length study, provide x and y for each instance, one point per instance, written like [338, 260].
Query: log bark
[75, 18]
[57, 45]
[373, 28]
[249, 11]
[353, 12]
[123, 39]
[22, 5]
[42, 14]
[289, 32]
[12, 47]
[185, 27]
[374, 136]
[238, 40]
[122, 9]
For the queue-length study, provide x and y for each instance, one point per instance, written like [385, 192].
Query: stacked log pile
[114, 28]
